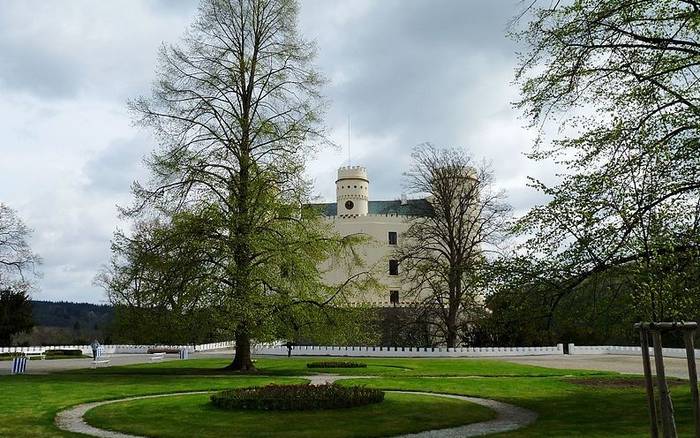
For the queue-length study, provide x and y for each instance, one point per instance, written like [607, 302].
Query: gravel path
[508, 417]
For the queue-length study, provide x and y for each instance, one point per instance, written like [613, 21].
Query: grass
[570, 403]
[29, 403]
[565, 409]
[178, 416]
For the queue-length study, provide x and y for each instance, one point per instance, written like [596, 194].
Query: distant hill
[72, 315]
[58, 323]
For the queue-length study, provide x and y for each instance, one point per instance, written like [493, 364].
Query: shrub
[9, 356]
[77, 353]
[297, 397]
[164, 350]
[336, 364]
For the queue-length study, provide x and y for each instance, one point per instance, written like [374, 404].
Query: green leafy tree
[617, 80]
[237, 111]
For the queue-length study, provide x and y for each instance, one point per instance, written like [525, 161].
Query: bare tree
[17, 261]
[17, 269]
[444, 252]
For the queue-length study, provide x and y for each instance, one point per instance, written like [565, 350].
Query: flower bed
[336, 364]
[300, 397]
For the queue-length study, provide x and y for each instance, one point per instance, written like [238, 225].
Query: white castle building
[383, 221]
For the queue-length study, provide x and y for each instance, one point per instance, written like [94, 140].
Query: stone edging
[508, 417]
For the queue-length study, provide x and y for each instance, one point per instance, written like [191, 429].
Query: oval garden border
[508, 417]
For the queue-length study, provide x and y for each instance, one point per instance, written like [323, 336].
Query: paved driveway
[605, 362]
[37, 366]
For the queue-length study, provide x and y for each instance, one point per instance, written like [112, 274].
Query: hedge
[164, 350]
[336, 364]
[300, 397]
[77, 353]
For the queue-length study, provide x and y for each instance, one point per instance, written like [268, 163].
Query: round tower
[352, 191]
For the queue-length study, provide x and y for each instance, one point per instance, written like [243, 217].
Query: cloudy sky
[403, 71]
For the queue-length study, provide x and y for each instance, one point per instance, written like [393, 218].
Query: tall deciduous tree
[17, 269]
[619, 79]
[443, 253]
[237, 109]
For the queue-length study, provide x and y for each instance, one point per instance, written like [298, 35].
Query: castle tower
[352, 191]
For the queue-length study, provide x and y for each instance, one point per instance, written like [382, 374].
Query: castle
[384, 222]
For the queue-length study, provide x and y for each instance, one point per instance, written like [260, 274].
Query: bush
[336, 364]
[50, 353]
[10, 356]
[164, 350]
[300, 397]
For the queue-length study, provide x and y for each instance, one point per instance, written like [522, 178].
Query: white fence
[624, 350]
[119, 349]
[301, 350]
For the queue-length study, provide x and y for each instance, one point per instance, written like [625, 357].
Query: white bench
[100, 362]
[35, 354]
[157, 356]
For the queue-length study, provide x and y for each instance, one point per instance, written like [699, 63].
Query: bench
[157, 356]
[35, 354]
[100, 362]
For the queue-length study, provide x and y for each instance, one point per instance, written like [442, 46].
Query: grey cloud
[113, 170]
[36, 69]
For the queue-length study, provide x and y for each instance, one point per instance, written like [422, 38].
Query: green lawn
[565, 409]
[397, 414]
[569, 403]
[28, 404]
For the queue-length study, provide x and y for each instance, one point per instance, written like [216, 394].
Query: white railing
[312, 350]
[120, 348]
[624, 350]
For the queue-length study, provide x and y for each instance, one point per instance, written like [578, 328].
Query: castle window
[393, 267]
[393, 238]
[394, 297]
[349, 205]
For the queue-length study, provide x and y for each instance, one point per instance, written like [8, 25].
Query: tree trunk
[242, 360]
[451, 336]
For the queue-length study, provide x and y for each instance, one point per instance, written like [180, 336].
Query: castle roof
[412, 207]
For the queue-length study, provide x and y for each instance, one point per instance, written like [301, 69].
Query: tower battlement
[353, 172]
[352, 191]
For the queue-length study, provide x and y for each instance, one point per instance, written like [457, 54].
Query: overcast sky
[403, 71]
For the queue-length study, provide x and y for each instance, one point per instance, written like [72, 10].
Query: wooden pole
[646, 362]
[688, 336]
[669, 424]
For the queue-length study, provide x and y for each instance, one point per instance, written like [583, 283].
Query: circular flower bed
[336, 364]
[297, 397]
